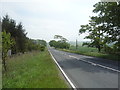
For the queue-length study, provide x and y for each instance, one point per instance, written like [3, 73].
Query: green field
[84, 49]
[33, 70]
[89, 51]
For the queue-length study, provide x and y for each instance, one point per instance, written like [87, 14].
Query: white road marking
[70, 82]
[73, 57]
[95, 64]
[108, 68]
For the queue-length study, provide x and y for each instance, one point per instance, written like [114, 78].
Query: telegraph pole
[76, 44]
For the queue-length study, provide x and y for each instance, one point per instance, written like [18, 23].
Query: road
[86, 71]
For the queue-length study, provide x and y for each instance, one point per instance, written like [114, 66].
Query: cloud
[45, 18]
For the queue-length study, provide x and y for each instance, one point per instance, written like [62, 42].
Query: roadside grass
[89, 51]
[32, 70]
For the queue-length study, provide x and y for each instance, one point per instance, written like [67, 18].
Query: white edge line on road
[95, 64]
[70, 82]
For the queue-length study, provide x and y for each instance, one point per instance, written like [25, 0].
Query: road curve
[86, 72]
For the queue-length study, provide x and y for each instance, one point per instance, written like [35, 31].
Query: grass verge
[94, 54]
[32, 70]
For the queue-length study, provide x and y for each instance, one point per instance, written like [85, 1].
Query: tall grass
[32, 70]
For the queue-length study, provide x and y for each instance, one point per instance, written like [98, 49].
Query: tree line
[61, 43]
[14, 38]
[104, 28]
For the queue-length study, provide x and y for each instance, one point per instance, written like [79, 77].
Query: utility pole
[76, 44]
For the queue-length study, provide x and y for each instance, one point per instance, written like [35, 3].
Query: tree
[62, 43]
[42, 42]
[95, 35]
[109, 14]
[104, 28]
[34, 45]
[7, 43]
[60, 37]
[53, 43]
[17, 32]
[20, 38]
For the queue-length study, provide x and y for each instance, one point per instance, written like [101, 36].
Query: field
[91, 52]
[84, 49]
[33, 70]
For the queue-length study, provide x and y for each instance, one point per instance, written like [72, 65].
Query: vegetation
[14, 38]
[62, 43]
[35, 45]
[22, 42]
[7, 44]
[104, 32]
[30, 65]
[35, 69]
[104, 28]
[32, 70]
[42, 42]
[91, 51]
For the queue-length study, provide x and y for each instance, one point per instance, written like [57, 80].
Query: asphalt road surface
[86, 71]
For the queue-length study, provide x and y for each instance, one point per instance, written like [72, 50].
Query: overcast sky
[45, 18]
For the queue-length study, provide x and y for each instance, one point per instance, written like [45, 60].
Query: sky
[42, 19]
